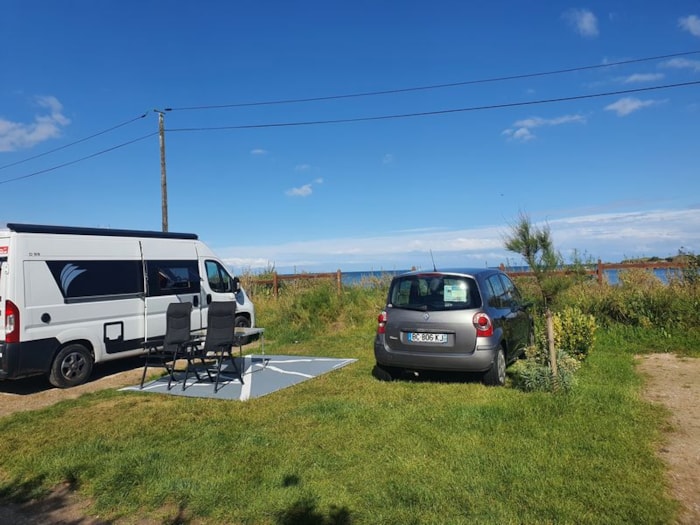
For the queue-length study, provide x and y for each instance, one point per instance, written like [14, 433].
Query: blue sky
[448, 171]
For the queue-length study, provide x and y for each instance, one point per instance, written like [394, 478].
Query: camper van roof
[109, 232]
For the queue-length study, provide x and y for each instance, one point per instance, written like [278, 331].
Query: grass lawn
[345, 448]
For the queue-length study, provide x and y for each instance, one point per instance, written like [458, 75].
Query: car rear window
[432, 292]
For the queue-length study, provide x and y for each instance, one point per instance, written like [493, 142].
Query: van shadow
[40, 383]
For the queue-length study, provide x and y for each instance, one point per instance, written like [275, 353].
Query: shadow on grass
[304, 512]
[27, 503]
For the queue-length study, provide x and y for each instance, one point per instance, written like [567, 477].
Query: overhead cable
[72, 143]
[436, 86]
[78, 160]
[439, 112]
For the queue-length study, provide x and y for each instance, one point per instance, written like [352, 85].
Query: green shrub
[535, 375]
[574, 333]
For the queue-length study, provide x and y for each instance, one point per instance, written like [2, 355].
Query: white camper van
[71, 297]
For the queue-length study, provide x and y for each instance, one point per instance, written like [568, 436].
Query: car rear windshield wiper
[419, 307]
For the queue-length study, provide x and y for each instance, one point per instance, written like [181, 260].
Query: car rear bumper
[480, 360]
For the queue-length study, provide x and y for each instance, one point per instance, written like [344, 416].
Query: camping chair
[175, 343]
[221, 321]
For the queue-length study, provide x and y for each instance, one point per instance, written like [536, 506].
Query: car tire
[385, 373]
[496, 375]
[72, 366]
[242, 321]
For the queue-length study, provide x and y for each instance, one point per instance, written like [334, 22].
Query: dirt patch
[669, 380]
[674, 382]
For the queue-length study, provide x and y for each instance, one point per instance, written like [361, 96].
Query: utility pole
[163, 177]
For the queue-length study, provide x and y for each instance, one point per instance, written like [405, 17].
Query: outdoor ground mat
[261, 374]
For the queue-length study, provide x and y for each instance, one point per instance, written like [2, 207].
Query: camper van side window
[97, 280]
[172, 277]
[219, 279]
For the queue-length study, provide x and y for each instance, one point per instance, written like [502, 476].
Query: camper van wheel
[242, 322]
[71, 366]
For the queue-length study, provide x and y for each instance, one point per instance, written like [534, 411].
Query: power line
[78, 160]
[72, 143]
[440, 112]
[437, 86]
[367, 119]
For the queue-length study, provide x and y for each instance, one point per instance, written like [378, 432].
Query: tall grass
[344, 448]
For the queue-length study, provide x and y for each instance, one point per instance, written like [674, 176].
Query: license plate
[421, 337]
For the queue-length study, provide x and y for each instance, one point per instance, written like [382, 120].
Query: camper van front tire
[242, 322]
[72, 366]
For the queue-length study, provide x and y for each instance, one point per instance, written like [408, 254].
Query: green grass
[345, 448]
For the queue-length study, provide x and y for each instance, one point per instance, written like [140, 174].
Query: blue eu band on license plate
[421, 337]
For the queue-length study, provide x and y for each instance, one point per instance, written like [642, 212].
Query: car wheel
[242, 322]
[72, 366]
[385, 373]
[496, 375]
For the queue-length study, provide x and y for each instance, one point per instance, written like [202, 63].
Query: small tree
[536, 247]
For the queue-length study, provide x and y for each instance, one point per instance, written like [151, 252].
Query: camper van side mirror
[236, 285]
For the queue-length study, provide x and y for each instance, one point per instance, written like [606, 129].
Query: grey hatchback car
[465, 320]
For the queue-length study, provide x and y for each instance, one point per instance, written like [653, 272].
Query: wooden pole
[163, 177]
[552, 349]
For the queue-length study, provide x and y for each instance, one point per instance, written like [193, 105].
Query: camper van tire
[242, 321]
[72, 366]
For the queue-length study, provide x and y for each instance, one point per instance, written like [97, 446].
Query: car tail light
[483, 325]
[381, 323]
[11, 322]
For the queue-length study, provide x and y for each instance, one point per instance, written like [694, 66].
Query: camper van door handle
[208, 299]
[45, 318]
[195, 301]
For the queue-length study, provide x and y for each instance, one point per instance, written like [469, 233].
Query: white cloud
[17, 135]
[641, 77]
[258, 152]
[608, 236]
[301, 191]
[305, 190]
[520, 134]
[628, 105]
[690, 23]
[583, 21]
[522, 129]
[302, 167]
[683, 63]
[536, 122]
[388, 159]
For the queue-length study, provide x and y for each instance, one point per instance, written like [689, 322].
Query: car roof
[471, 272]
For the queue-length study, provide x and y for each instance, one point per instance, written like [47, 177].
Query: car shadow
[40, 383]
[430, 376]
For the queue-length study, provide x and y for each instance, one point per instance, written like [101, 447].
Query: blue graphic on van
[69, 272]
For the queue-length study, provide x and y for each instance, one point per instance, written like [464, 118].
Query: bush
[535, 375]
[574, 333]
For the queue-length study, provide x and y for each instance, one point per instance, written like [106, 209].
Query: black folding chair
[218, 342]
[174, 345]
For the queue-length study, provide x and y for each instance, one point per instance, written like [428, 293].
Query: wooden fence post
[599, 271]
[275, 285]
[339, 280]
